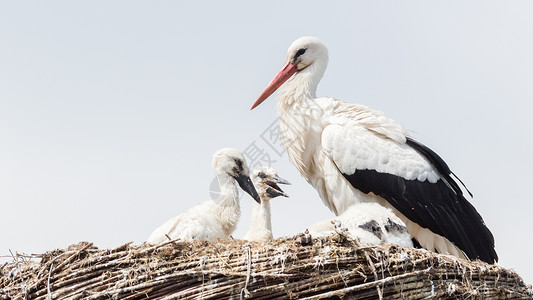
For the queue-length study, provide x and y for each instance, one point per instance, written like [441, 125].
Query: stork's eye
[262, 175]
[300, 52]
[238, 162]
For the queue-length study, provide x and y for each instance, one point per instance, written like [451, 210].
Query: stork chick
[370, 223]
[212, 219]
[266, 182]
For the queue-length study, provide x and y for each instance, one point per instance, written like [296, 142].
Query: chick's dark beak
[280, 180]
[246, 185]
[274, 190]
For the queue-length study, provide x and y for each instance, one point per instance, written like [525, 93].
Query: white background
[110, 111]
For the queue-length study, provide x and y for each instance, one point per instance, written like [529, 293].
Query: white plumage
[266, 182]
[352, 154]
[370, 223]
[212, 219]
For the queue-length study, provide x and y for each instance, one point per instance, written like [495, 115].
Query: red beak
[285, 73]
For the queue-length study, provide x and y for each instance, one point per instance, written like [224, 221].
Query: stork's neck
[228, 210]
[296, 107]
[261, 215]
[229, 194]
[261, 224]
[302, 85]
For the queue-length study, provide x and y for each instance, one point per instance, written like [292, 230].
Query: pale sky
[110, 111]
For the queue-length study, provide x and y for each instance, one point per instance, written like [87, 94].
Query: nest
[284, 268]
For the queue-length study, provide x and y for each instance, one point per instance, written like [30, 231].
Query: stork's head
[266, 181]
[231, 162]
[306, 52]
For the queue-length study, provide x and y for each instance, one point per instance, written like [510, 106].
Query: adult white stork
[212, 219]
[350, 153]
[266, 182]
[370, 223]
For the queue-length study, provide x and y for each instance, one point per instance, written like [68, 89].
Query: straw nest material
[295, 267]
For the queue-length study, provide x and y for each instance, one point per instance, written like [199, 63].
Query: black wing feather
[438, 163]
[440, 207]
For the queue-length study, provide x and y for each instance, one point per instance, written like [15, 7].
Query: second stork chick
[266, 182]
[370, 223]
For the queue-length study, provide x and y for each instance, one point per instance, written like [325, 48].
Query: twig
[48, 285]
[373, 268]
[24, 291]
[244, 291]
